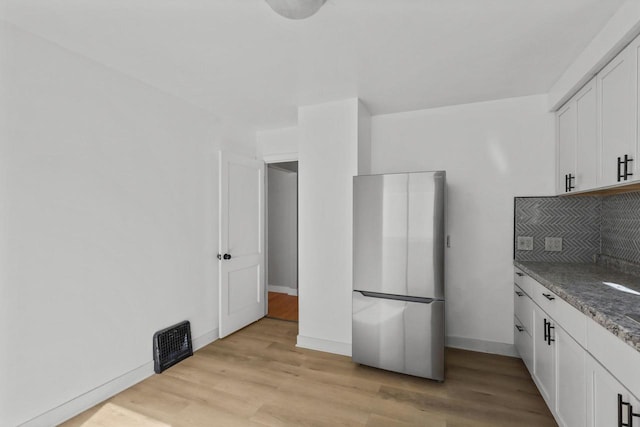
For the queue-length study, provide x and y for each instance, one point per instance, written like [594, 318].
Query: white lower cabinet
[571, 380]
[523, 324]
[579, 389]
[544, 360]
[609, 402]
[524, 344]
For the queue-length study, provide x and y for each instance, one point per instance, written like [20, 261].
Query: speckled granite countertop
[581, 285]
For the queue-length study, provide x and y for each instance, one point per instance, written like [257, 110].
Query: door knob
[226, 256]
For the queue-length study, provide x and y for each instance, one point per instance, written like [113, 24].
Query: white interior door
[241, 246]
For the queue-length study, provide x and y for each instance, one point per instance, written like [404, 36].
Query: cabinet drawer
[573, 321]
[547, 300]
[524, 343]
[523, 309]
[521, 280]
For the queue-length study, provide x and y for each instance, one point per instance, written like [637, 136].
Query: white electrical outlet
[553, 244]
[525, 243]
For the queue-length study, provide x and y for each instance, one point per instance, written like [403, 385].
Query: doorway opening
[282, 240]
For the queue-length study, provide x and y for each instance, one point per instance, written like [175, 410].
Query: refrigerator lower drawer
[400, 336]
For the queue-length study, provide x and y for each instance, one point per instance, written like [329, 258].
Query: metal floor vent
[171, 345]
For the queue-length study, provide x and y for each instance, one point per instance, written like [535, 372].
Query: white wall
[278, 144]
[619, 31]
[108, 192]
[364, 139]
[328, 161]
[282, 229]
[492, 151]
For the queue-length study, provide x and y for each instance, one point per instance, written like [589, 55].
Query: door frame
[271, 159]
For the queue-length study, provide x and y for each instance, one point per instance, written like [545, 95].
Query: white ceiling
[238, 59]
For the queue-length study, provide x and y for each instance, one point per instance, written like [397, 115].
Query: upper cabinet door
[566, 128]
[618, 118]
[586, 106]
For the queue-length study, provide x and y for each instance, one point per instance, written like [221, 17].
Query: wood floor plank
[110, 414]
[283, 306]
[217, 396]
[258, 377]
[407, 414]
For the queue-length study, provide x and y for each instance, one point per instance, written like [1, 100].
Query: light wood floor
[283, 306]
[257, 377]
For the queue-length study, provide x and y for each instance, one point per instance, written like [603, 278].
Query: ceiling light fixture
[295, 9]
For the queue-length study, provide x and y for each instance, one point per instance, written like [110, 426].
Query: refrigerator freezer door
[398, 233]
[399, 336]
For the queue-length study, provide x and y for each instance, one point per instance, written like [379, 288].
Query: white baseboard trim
[283, 290]
[205, 339]
[482, 346]
[103, 392]
[327, 346]
[91, 398]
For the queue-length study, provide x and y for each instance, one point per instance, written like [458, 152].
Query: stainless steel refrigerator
[398, 272]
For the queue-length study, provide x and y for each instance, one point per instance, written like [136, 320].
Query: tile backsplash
[575, 219]
[588, 225]
[620, 229]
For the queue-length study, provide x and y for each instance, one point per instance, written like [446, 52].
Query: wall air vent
[171, 345]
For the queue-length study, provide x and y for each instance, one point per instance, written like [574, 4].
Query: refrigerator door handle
[398, 297]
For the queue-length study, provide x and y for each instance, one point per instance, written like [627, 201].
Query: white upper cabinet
[617, 90]
[597, 129]
[566, 128]
[577, 141]
[586, 107]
